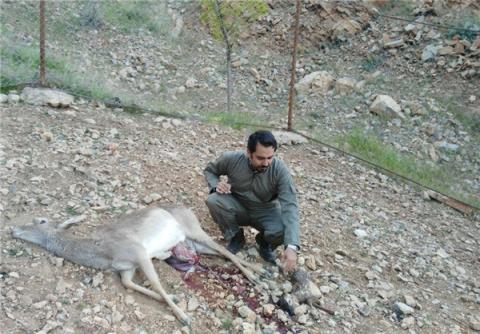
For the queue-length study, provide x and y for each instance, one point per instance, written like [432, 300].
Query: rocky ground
[430, 74]
[384, 258]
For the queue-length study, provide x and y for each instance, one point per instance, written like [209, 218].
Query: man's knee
[212, 201]
[224, 203]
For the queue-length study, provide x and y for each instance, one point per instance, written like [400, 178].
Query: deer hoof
[174, 298]
[266, 274]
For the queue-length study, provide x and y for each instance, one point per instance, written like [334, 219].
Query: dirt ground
[368, 241]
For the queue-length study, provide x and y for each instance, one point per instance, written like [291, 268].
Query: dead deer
[131, 243]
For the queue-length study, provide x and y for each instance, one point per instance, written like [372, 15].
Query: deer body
[131, 243]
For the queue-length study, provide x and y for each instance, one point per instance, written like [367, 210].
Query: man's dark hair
[262, 137]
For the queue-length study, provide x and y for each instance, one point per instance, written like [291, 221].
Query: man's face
[262, 158]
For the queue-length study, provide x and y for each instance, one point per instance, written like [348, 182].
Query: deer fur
[130, 243]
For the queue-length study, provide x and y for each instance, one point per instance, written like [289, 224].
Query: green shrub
[371, 63]
[236, 120]
[467, 28]
[130, 15]
[236, 14]
[376, 152]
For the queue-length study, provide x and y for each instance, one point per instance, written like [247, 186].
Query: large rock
[347, 85]
[288, 138]
[346, 27]
[46, 96]
[429, 53]
[304, 288]
[385, 106]
[321, 81]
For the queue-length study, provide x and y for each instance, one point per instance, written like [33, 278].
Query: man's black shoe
[266, 251]
[237, 242]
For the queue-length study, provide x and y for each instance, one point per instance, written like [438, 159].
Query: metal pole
[294, 66]
[42, 43]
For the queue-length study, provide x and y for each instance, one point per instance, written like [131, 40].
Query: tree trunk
[228, 50]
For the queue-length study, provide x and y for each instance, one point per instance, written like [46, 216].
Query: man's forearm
[212, 179]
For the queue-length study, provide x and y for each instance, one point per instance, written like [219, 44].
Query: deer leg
[241, 264]
[220, 250]
[127, 281]
[147, 266]
[198, 235]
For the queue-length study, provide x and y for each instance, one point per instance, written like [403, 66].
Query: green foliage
[374, 151]
[236, 120]
[90, 15]
[236, 15]
[20, 64]
[227, 323]
[71, 211]
[130, 15]
[401, 8]
[17, 251]
[371, 63]
[470, 121]
[468, 28]
[81, 306]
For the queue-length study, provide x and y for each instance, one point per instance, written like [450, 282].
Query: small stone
[287, 287]
[116, 317]
[442, 253]
[301, 309]
[11, 295]
[61, 286]
[101, 322]
[325, 289]
[248, 328]
[141, 316]
[97, 279]
[40, 305]
[246, 313]
[364, 311]
[129, 300]
[403, 308]
[408, 322]
[13, 98]
[58, 261]
[193, 304]
[13, 274]
[410, 301]
[152, 198]
[386, 106]
[310, 262]
[268, 309]
[360, 233]
[429, 53]
[303, 319]
[474, 323]
[53, 103]
[190, 83]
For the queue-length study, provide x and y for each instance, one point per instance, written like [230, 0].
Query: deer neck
[83, 251]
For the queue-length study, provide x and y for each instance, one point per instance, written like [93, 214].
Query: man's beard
[261, 169]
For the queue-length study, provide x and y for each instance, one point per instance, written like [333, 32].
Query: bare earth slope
[368, 241]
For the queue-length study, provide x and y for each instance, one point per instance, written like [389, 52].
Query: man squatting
[260, 193]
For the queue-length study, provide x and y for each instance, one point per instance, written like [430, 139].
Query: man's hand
[289, 260]
[223, 188]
